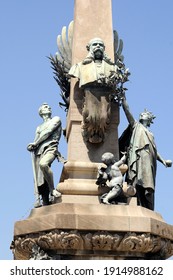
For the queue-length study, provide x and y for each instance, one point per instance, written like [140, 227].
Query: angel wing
[118, 48]
[64, 42]
[61, 63]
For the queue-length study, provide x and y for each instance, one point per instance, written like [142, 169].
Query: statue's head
[146, 117]
[108, 158]
[96, 46]
[45, 109]
[96, 51]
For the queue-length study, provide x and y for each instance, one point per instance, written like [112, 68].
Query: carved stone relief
[144, 243]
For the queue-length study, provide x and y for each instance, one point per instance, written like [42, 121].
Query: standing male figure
[44, 149]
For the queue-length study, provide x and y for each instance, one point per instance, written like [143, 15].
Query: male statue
[44, 151]
[142, 156]
[98, 77]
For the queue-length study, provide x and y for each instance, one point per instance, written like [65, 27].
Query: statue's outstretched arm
[167, 163]
[122, 160]
[128, 114]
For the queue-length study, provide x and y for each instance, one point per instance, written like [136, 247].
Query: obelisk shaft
[91, 19]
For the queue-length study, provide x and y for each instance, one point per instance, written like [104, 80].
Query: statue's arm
[128, 114]
[167, 163]
[56, 122]
[43, 135]
[37, 134]
[159, 158]
[32, 146]
[122, 160]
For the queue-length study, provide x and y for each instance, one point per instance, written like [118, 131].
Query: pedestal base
[94, 231]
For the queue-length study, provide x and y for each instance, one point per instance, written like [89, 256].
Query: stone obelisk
[99, 24]
[78, 226]
[79, 174]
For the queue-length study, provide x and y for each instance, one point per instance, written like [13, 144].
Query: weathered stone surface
[92, 230]
[94, 15]
[78, 216]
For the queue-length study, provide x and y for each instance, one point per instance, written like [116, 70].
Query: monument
[97, 212]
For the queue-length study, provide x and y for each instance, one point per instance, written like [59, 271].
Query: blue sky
[28, 32]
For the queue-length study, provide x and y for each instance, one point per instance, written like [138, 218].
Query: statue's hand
[31, 147]
[168, 163]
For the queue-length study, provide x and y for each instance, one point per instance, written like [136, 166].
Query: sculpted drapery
[142, 156]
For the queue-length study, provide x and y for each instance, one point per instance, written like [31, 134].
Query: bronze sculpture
[44, 150]
[142, 156]
[99, 78]
[111, 177]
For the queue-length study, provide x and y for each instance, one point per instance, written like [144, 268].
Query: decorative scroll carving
[72, 240]
[102, 241]
[144, 243]
[46, 241]
[133, 242]
[61, 240]
[22, 247]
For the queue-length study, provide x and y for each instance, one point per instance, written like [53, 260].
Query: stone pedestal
[94, 231]
[79, 178]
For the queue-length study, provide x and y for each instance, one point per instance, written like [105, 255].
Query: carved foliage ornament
[98, 241]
